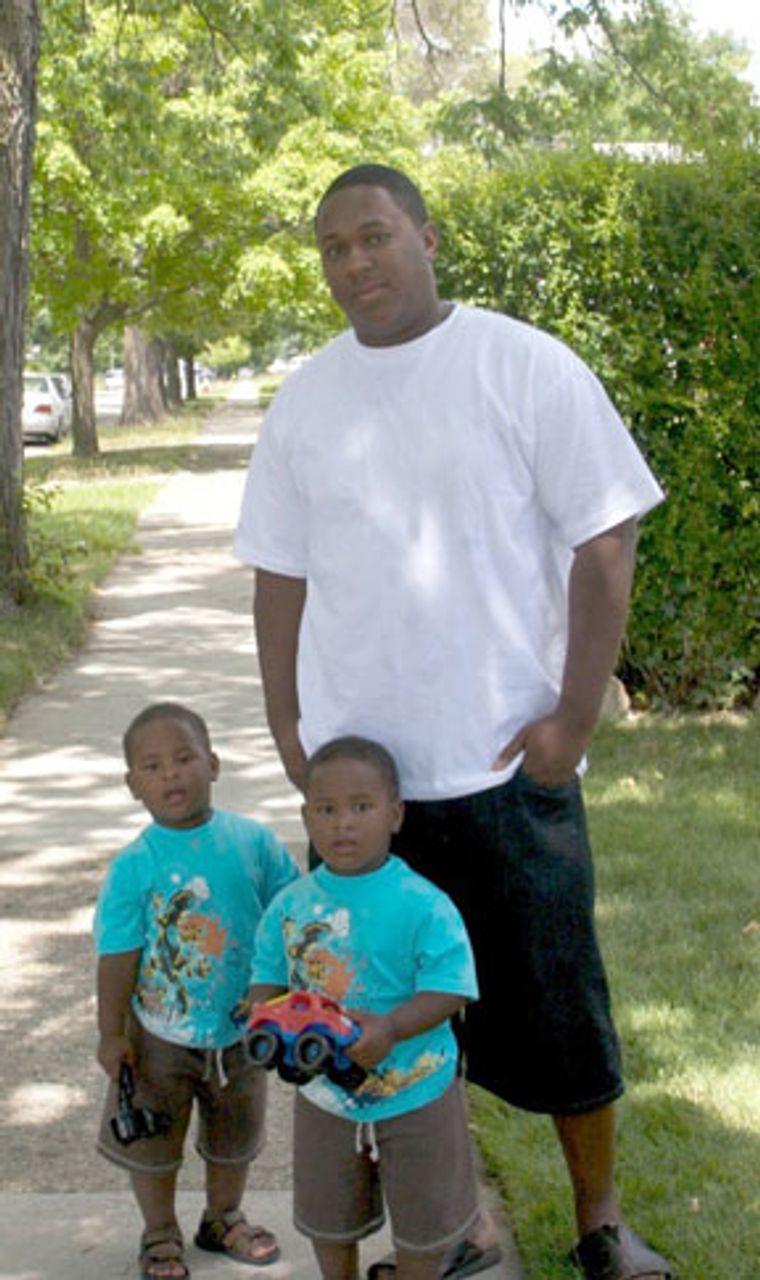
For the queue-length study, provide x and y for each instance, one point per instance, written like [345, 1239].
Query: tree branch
[602, 19]
[431, 49]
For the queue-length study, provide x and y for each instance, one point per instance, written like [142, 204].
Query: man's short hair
[394, 181]
[353, 747]
[165, 711]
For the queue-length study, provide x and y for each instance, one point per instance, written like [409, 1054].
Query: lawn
[674, 820]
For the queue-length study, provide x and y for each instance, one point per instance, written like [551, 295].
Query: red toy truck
[302, 1034]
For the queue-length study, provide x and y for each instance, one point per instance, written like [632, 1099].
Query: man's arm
[599, 592]
[278, 603]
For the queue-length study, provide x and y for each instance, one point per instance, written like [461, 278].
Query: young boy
[391, 948]
[174, 930]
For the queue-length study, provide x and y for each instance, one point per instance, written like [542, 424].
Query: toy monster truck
[303, 1034]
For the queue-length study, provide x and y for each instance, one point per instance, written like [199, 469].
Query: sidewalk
[173, 622]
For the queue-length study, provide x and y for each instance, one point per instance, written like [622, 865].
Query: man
[441, 512]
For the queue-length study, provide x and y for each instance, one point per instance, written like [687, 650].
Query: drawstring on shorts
[215, 1058]
[366, 1139]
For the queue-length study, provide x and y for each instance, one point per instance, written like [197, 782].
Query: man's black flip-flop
[617, 1253]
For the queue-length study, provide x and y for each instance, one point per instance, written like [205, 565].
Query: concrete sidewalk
[173, 622]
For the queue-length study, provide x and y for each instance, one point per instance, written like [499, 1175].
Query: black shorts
[516, 861]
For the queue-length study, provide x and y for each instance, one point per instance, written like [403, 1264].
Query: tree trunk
[172, 379]
[191, 392]
[143, 401]
[19, 49]
[157, 361]
[84, 432]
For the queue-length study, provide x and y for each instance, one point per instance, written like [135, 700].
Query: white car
[46, 412]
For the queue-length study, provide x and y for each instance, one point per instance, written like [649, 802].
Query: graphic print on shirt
[321, 959]
[186, 942]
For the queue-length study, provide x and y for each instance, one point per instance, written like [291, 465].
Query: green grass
[673, 815]
[82, 515]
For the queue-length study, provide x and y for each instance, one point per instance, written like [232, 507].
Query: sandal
[467, 1259]
[462, 1259]
[617, 1253]
[233, 1234]
[161, 1249]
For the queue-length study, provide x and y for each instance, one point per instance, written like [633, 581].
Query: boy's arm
[380, 1032]
[258, 992]
[117, 974]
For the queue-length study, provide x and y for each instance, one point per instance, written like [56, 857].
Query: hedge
[650, 272]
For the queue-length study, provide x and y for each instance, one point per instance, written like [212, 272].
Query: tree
[440, 44]
[632, 72]
[19, 42]
[153, 118]
[647, 74]
[144, 396]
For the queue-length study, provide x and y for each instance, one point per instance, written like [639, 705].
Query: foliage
[157, 122]
[650, 271]
[633, 73]
[278, 284]
[680, 931]
[439, 44]
[651, 73]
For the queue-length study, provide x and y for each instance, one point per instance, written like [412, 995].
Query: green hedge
[650, 271]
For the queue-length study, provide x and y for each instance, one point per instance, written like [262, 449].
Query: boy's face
[171, 771]
[350, 815]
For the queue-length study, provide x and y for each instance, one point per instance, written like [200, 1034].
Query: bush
[650, 272]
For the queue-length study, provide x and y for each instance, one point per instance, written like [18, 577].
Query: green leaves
[650, 271]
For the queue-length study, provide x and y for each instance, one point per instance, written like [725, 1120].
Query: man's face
[378, 263]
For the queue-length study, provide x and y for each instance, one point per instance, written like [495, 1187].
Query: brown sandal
[214, 1234]
[160, 1248]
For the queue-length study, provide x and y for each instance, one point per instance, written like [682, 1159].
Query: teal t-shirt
[371, 942]
[191, 901]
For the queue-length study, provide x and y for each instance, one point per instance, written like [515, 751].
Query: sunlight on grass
[730, 1093]
[656, 1019]
[641, 790]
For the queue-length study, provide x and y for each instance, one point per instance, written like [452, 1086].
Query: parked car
[63, 383]
[302, 1034]
[114, 379]
[46, 412]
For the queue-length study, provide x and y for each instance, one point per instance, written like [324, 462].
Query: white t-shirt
[431, 494]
